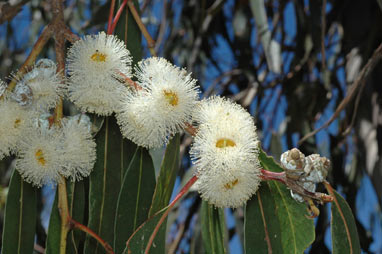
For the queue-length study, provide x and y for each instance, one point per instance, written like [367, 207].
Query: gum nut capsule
[293, 162]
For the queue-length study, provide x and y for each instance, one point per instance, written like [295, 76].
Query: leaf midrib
[21, 215]
[104, 179]
[289, 217]
[139, 189]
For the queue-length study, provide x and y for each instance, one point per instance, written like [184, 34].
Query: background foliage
[291, 87]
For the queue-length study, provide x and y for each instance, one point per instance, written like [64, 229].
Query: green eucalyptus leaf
[54, 229]
[164, 188]
[262, 232]
[128, 31]
[166, 179]
[137, 243]
[20, 217]
[297, 231]
[135, 197]
[113, 153]
[213, 229]
[343, 228]
[113, 156]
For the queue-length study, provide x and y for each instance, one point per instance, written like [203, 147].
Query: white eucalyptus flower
[39, 159]
[14, 124]
[136, 123]
[95, 65]
[225, 152]
[78, 149]
[42, 85]
[162, 107]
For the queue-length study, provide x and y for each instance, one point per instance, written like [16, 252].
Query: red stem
[110, 17]
[191, 129]
[269, 175]
[76, 224]
[176, 199]
[117, 16]
[130, 81]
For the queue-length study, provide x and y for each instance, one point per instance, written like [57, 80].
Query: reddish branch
[181, 193]
[293, 184]
[111, 13]
[76, 225]
[117, 16]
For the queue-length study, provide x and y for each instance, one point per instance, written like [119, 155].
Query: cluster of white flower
[47, 153]
[163, 101]
[43, 152]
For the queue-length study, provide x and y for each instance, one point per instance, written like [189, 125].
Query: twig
[178, 238]
[117, 16]
[70, 36]
[64, 214]
[276, 176]
[38, 248]
[215, 7]
[356, 104]
[293, 185]
[191, 129]
[161, 220]
[105, 245]
[8, 11]
[351, 91]
[129, 81]
[111, 13]
[137, 18]
[46, 34]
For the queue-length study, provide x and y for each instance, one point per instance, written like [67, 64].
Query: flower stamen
[40, 157]
[230, 185]
[171, 97]
[17, 123]
[98, 57]
[225, 142]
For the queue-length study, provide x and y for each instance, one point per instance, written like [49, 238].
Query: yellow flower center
[40, 157]
[225, 142]
[17, 123]
[230, 185]
[98, 57]
[171, 97]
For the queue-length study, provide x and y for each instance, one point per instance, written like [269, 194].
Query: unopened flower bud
[293, 162]
[22, 94]
[46, 67]
[316, 168]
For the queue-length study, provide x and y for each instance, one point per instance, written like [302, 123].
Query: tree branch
[351, 91]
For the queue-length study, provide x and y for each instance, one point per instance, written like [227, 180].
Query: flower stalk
[64, 214]
[293, 185]
[76, 225]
